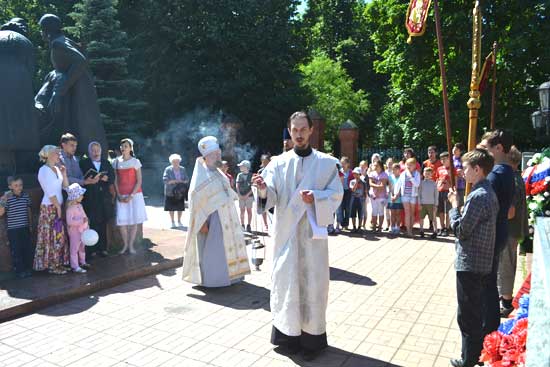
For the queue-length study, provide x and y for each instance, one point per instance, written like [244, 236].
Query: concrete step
[160, 250]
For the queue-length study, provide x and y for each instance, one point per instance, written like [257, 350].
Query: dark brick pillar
[317, 139]
[349, 141]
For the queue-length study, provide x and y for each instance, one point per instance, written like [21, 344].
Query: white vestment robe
[218, 258]
[300, 278]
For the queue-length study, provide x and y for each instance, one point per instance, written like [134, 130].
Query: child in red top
[443, 181]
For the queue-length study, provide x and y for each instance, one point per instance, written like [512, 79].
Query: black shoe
[421, 234]
[433, 236]
[287, 350]
[310, 355]
[506, 307]
[444, 233]
[248, 229]
[461, 363]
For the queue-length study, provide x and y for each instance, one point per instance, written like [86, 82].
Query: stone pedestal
[317, 139]
[5, 255]
[349, 141]
[538, 339]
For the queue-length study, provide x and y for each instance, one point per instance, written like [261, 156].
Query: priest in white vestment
[215, 250]
[304, 187]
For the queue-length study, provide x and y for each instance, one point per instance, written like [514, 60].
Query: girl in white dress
[130, 207]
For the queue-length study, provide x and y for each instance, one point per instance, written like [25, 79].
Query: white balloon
[89, 237]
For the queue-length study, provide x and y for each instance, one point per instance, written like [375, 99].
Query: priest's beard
[303, 151]
[213, 160]
[214, 165]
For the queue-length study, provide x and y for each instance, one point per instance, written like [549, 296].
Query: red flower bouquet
[501, 350]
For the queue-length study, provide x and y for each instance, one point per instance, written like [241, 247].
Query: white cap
[74, 191]
[208, 144]
[357, 170]
[244, 163]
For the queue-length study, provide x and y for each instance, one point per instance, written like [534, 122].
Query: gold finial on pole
[474, 103]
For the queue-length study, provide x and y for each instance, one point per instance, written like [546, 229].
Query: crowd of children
[399, 195]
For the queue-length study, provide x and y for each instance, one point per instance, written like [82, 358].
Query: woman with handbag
[176, 184]
[52, 251]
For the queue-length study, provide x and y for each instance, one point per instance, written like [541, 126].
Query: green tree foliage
[333, 95]
[247, 58]
[413, 110]
[235, 55]
[338, 28]
[123, 111]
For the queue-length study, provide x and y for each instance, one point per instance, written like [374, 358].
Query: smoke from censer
[182, 135]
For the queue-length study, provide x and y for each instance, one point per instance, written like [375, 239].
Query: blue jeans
[356, 205]
[343, 212]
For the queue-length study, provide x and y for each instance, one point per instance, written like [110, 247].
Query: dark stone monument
[68, 99]
[19, 135]
[67, 102]
[19, 129]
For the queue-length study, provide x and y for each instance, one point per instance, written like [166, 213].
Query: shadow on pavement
[22, 296]
[240, 296]
[84, 303]
[350, 277]
[335, 357]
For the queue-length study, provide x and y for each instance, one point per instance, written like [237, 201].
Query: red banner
[417, 13]
[484, 76]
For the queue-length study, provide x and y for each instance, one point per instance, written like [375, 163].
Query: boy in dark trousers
[17, 205]
[475, 231]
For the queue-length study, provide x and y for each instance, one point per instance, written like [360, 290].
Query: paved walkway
[392, 303]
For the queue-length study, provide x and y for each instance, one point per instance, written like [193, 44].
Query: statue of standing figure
[18, 123]
[68, 97]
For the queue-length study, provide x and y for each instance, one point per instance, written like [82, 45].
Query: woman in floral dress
[52, 252]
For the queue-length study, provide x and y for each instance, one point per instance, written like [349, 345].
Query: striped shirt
[17, 210]
[408, 186]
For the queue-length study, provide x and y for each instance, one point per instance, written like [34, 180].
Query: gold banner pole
[474, 103]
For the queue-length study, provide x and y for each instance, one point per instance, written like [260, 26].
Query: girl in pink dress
[77, 222]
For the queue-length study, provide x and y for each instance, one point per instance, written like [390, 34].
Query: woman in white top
[52, 252]
[130, 207]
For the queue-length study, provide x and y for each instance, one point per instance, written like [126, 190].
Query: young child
[443, 180]
[358, 194]
[244, 189]
[407, 187]
[17, 205]
[364, 165]
[458, 149]
[395, 206]
[378, 180]
[429, 198]
[475, 232]
[389, 171]
[77, 222]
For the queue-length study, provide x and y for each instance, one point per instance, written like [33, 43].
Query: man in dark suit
[99, 197]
